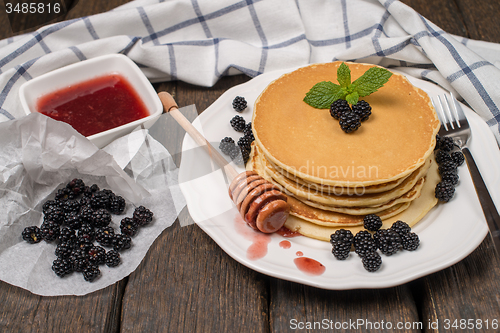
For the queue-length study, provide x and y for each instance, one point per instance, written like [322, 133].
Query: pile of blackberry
[78, 222]
[350, 117]
[239, 151]
[448, 158]
[366, 242]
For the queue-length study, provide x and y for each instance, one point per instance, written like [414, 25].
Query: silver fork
[455, 125]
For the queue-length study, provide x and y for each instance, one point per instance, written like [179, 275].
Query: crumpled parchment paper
[39, 155]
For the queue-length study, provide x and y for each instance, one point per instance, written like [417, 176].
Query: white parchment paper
[39, 155]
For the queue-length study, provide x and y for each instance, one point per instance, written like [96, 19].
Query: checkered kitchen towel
[198, 41]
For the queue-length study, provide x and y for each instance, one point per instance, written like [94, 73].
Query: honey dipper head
[261, 204]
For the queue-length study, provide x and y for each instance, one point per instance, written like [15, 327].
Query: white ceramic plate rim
[448, 233]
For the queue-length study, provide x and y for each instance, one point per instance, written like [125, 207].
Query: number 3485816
[32, 8]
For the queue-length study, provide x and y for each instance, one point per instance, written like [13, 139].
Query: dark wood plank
[469, 290]
[96, 312]
[91, 7]
[298, 307]
[481, 19]
[443, 13]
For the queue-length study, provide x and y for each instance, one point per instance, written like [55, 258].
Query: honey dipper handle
[171, 107]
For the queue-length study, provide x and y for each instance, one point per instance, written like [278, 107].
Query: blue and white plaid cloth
[198, 41]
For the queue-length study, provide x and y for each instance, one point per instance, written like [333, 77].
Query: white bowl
[82, 71]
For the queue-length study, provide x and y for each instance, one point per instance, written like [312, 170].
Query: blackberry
[87, 215]
[438, 142]
[89, 191]
[32, 234]
[363, 110]
[63, 250]
[245, 143]
[400, 227]
[49, 205]
[80, 259]
[447, 166]
[64, 194]
[67, 235]
[341, 242]
[444, 191]
[76, 185]
[238, 123]
[55, 214]
[349, 122]
[70, 206]
[73, 220]
[442, 156]
[388, 241]
[112, 258]
[226, 145]
[62, 267]
[91, 272]
[410, 241]
[117, 205]
[121, 242]
[240, 155]
[364, 243]
[338, 108]
[97, 255]
[101, 218]
[84, 201]
[372, 261]
[372, 222]
[83, 243]
[248, 131]
[104, 236]
[239, 103]
[49, 231]
[458, 157]
[109, 193]
[142, 215]
[100, 199]
[87, 232]
[446, 143]
[450, 177]
[129, 226]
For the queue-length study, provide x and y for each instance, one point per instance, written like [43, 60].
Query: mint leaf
[352, 98]
[371, 81]
[323, 94]
[344, 75]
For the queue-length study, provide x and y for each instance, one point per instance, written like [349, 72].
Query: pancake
[360, 199]
[330, 218]
[417, 209]
[330, 189]
[308, 143]
[409, 196]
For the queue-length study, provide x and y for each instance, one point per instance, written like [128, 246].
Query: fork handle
[489, 209]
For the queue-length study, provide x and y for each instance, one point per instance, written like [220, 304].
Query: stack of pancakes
[333, 179]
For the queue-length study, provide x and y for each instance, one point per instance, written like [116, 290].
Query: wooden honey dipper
[261, 204]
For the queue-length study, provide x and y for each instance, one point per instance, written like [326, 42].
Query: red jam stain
[299, 254]
[285, 244]
[309, 266]
[259, 240]
[95, 105]
[285, 232]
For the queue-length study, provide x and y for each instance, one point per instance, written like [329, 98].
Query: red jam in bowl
[95, 105]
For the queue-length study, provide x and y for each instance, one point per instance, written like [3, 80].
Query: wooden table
[186, 283]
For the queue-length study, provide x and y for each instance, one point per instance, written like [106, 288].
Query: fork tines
[449, 116]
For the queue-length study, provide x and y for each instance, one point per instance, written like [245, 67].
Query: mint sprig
[323, 94]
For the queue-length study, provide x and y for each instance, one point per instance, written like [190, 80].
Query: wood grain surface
[186, 283]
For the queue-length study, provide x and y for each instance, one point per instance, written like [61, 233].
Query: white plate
[448, 233]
